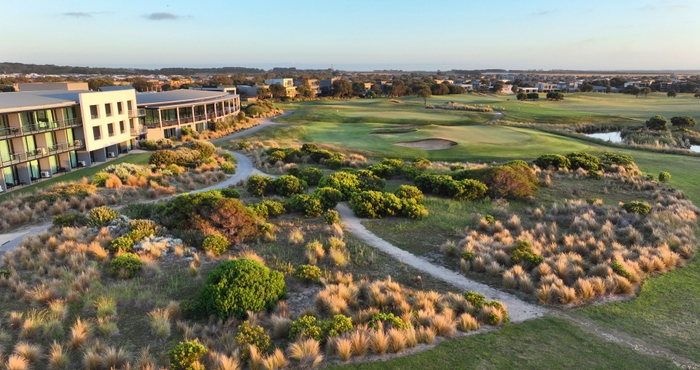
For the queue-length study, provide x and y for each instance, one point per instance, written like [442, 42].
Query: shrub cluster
[522, 252]
[241, 285]
[642, 208]
[446, 185]
[71, 219]
[309, 326]
[126, 265]
[588, 162]
[216, 244]
[186, 355]
[311, 175]
[251, 335]
[376, 204]
[101, 216]
[553, 160]
[308, 273]
[182, 156]
[513, 180]
[155, 144]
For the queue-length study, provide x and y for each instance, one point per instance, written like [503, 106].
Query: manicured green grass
[545, 343]
[139, 158]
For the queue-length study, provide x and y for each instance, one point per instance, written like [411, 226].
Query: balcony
[186, 119]
[40, 127]
[31, 155]
[138, 130]
[137, 113]
[168, 123]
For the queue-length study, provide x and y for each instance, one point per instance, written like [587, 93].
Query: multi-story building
[164, 114]
[44, 132]
[288, 84]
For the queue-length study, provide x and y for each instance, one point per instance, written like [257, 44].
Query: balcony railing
[172, 122]
[138, 130]
[186, 119]
[16, 158]
[40, 127]
[135, 113]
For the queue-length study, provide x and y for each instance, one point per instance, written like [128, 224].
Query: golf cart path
[518, 310]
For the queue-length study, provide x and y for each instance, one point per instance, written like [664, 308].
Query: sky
[361, 35]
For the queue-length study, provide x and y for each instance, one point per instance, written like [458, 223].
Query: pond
[615, 137]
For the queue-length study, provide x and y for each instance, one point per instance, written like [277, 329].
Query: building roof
[116, 88]
[179, 97]
[29, 100]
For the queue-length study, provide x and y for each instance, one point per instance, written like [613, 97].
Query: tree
[671, 93]
[141, 85]
[358, 88]
[397, 88]
[697, 94]
[263, 92]
[424, 92]
[683, 121]
[305, 90]
[633, 90]
[95, 83]
[521, 96]
[376, 88]
[220, 80]
[533, 96]
[657, 123]
[646, 91]
[341, 88]
[278, 90]
[556, 96]
[497, 87]
[587, 87]
[439, 89]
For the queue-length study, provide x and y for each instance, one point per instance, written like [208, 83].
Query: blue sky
[355, 35]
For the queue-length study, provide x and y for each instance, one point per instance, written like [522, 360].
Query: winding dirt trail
[517, 309]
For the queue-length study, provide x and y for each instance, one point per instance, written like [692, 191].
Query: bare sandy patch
[429, 144]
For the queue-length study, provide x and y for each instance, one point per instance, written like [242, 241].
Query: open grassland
[139, 158]
[546, 343]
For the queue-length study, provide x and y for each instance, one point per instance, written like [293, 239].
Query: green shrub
[409, 192]
[101, 216]
[331, 217]
[229, 157]
[620, 270]
[127, 262]
[522, 252]
[595, 175]
[306, 327]
[370, 181]
[69, 220]
[588, 162]
[259, 209]
[186, 355]
[367, 204]
[241, 285]
[422, 163]
[163, 157]
[274, 208]
[637, 206]
[216, 244]
[466, 189]
[476, 299]
[100, 179]
[309, 205]
[664, 176]
[609, 158]
[139, 210]
[230, 193]
[412, 209]
[307, 273]
[311, 175]
[338, 325]
[251, 335]
[554, 160]
[120, 244]
[335, 161]
[276, 156]
[148, 144]
[344, 182]
[205, 148]
[288, 185]
[329, 197]
[136, 235]
[258, 185]
[386, 318]
[410, 172]
[228, 168]
[382, 170]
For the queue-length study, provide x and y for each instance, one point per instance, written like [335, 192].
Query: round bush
[205, 148]
[306, 327]
[311, 175]
[241, 285]
[100, 179]
[588, 162]
[258, 185]
[186, 355]
[370, 181]
[331, 217]
[554, 160]
[228, 168]
[308, 273]
[288, 185]
[230, 193]
[101, 216]
[310, 206]
[409, 192]
[163, 157]
[467, 189]
[664, 176]
[251, 335]
[127, 262]
[120, 244]
[346, 183]
[217, 244]
[338, 325]
[412, 209]
[329, 197]
[636, 206]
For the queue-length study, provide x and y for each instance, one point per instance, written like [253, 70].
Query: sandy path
[518, 310]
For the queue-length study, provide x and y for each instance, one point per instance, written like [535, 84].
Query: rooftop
[179, 97]
[29, 100]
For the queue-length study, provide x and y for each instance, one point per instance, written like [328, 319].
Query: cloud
[79, 14]
[162, 16]
[543, 13]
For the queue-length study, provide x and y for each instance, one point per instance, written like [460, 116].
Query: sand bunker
[428, 144]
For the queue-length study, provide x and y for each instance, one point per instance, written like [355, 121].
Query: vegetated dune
[429, 144]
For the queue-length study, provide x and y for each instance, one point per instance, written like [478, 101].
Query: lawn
[139, 158]
[546, 343]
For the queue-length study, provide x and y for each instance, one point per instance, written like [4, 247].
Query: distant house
[327, 84]
[288, 83]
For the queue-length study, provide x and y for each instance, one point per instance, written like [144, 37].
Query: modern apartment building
[164, 114]
[45, 132]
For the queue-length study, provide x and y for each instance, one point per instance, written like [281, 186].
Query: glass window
[30, 143]
[108, 109]
[94, 112]
[27, 119]
[53, 162]
[152, 116]
[122, 127]
[120, 108]
[10, 175]
[168, 115]
[128, 105]
[96, 133]
[50, 139]
[69, 113]
[34, 169]
[110, 129]
[5, 150]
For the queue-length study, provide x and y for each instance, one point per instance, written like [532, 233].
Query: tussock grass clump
[16, 362]
[307, 352]
[29, 351]
[343, 348]
[296, 236]
[379, 342]
[426, 335]
[80, 332]
[58, 357]
[467, 323]
[159, 320]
